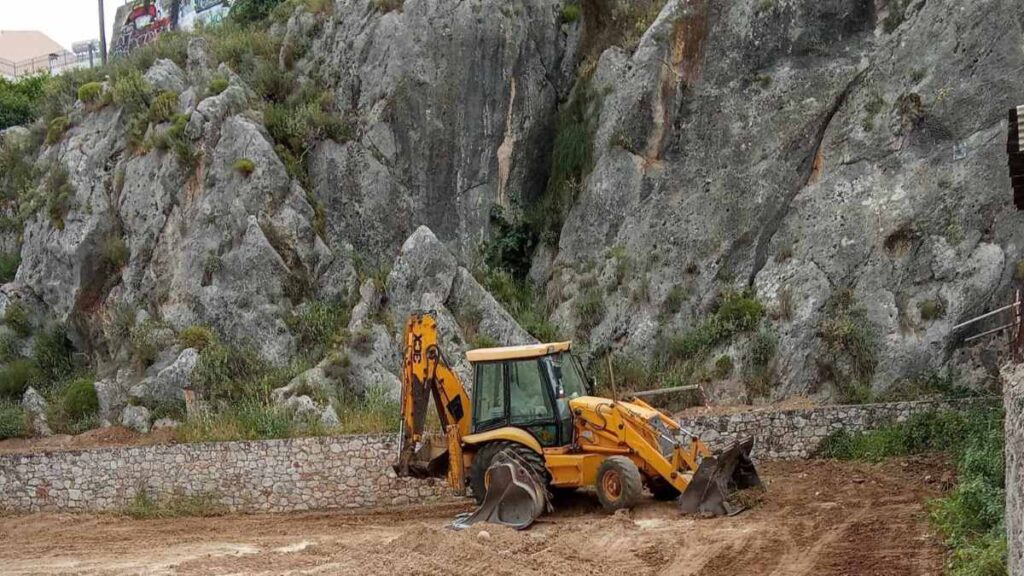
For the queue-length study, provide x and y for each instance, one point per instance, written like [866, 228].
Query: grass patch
[736, 312]
[375, 413]
[198, 337]
[115, 251]
[90, 92]
[16, 318]
[13, 420]
[249, 419]
[9, 267]
[318, 324]
[590, 310]
[51, 353]
[972, 516]
[849, 351]
[56, 130]
[163, 108]
[146, 507]
[931, 310]
[16, 377]
[244, 166]
[520, 300]
[571, 13]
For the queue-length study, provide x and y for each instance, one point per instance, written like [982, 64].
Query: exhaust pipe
[717, 478]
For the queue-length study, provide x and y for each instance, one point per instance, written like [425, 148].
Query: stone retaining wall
[793, 434]
[350, 471]
[266, 476]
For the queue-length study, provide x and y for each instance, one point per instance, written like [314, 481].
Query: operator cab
[528, 387]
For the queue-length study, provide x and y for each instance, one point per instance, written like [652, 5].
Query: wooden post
[103, 36]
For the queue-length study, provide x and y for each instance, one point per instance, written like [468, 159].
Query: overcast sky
[66, 21]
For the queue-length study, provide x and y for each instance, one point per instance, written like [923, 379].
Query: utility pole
[103, 36]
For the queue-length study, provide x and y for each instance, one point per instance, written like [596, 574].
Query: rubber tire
[485, 455]
[662, 490]
[630, 483]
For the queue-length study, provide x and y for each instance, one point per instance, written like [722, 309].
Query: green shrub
[849, 348]
[931, 309]
[483, 341]
[735, 313]
[510, 246]
[385, 6]
[229, 373]
[723, 367]
[589, 311]
[16, 318]
[757, 369]
[218, 84]
[252, 11]
[570, 13]
[56, 130]
[15, 377]
[9, 266]
[673, 301]
[115, 251]
[79, 400]
[131, 92]
[52, 354]
[148, 338]
[90, 92]
[244, 166]
[21, 101]
[164, 108]
[13, 420]
[198, 337]
[520, 300]
[18, 174]
[59, 194]
[571, 161]
[8, 346]
[317, 324]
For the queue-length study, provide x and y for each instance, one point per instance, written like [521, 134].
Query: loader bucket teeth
[717, 478]
[514, 498]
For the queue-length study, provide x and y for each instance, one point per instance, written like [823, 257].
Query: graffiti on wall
[138, 23]
[141, 21]
[206, 11]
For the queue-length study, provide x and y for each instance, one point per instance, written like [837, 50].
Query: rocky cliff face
[839, 162]
[830, 156]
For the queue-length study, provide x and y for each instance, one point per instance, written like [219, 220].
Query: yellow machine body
[591, 429]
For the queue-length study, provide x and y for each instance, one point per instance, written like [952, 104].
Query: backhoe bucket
[515, 497]
[717, 478]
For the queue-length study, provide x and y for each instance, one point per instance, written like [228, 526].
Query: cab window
[572, 380]
[529, 399]
[489, 397]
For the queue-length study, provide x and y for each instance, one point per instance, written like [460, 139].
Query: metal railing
[50, 63]
[1015, 326]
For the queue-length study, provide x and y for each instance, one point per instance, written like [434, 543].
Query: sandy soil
[816, 518]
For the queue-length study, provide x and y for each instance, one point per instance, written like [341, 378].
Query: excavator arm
[425, 375]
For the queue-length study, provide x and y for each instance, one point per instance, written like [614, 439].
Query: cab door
[530, 400]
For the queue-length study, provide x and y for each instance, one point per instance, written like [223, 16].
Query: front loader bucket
[717, 478]
[514, 498]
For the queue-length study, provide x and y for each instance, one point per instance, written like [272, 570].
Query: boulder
[165, 76]
[303, 408]
[33, 403]
[165, 424]
[329, 418]
[112, 394]
[424, 268]
[170, 382]
[135, 418]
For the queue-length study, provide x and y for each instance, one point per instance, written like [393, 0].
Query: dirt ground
[111, 437]
[815, 518]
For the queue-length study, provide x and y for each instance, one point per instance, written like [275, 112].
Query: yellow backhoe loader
[534, 425]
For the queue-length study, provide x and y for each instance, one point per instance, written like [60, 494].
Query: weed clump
[849, 350]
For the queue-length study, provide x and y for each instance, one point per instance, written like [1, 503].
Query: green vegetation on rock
[13, 420]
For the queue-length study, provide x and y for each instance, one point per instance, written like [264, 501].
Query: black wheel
[662, 490]
[619, 484]
[485, 456]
